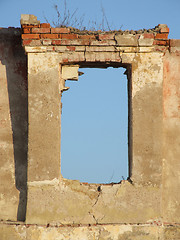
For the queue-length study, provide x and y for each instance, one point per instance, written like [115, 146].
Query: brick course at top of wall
[44, 35]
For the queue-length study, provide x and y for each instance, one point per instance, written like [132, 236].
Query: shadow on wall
[15, 60]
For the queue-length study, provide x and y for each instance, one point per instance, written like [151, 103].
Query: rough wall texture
[171, 132]
[13, 125]
[144, 207]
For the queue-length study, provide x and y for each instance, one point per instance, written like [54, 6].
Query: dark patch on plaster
[15, 60]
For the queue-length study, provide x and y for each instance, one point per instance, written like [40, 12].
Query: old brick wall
[144, 207]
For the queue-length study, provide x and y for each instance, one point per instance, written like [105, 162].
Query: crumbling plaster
[145, 205]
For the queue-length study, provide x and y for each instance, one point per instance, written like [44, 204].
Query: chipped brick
[40, 30]
[27, 30]
[71, 48]
[69, 36]
[30, 36]
[126, 40]
[45, 25]
[50, 36]
[60, 30]
[161, 42]
[164, 30]
[56, 42]
[26, 42]
[161, 36]
[86, 37]
[148, 35]
[106, 36]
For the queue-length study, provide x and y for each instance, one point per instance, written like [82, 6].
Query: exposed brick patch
[106, 36]
[31, 42]
[160, 48]
[30, 36]
[161, 42]
[60, 30]
[161, 36]
[50, 36]
[87, 37]
[164, 30]
[148, 35]
[69, 36]
[65, 60]
[45, 25]
[29, 25]
[71, 48]
[40, 30]
[56, 42]
[27, 42]
[72, 38]
[80, 42]
[27, 30]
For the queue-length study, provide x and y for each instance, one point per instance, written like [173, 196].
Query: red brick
[60, 30]
[164, 30]
[56, 42]
[40, 30]
[50, 36]
[69, 36]
[86, 37]
[161, 42]
[30, 36]
[26, 42]
[29, 25]
[148, 35]
[33, 42]
[65, 60]
[45, 25]
[160, 48]
[106, 36]
[27, 30]
[161, 36]
[71, 48]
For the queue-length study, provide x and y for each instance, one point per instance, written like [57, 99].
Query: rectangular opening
[94, 127]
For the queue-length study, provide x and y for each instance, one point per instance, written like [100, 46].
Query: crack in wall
[96, 199]
[92, 215]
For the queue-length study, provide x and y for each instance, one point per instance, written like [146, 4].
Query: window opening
[94, 127]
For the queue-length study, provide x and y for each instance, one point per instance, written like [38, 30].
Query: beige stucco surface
[70, 201]
[171, 142]
[101, 232]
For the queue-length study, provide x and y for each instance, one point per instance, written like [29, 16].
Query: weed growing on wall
[70, 18]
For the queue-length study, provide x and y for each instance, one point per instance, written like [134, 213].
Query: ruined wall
[13, 125]
[144, 207]
[171, 128]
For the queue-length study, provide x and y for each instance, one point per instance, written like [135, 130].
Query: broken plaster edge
[52, 182]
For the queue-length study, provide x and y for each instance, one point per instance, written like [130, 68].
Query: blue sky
[94, 118]
[130, 13]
